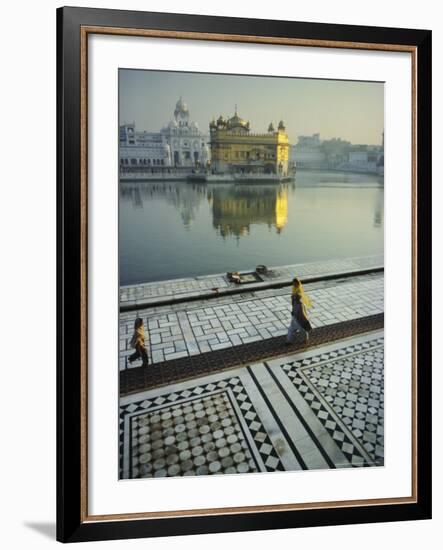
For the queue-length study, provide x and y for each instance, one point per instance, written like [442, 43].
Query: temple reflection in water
[185, 198]
[173, 229]
[237, 207]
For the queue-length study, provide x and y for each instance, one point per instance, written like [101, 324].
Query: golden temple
[235, 149]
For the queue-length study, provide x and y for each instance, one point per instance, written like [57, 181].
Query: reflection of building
[172, 152]
[281, 209]
[234, 148]
[379, 208]
[186, 199]
[235, 208]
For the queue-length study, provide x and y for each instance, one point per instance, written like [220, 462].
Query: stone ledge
[180, 290]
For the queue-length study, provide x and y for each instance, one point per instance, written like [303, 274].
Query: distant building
[235, 149]
[313, 153]
[308, 152]
[142, 149]
[363, 159]
[176, 149]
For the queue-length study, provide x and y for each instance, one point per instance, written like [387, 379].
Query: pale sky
[351, 110]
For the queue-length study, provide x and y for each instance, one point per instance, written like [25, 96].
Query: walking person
[138, 343]
[299, 321]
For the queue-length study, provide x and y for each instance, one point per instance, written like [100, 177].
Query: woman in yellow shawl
[138, 343]
[300, 304]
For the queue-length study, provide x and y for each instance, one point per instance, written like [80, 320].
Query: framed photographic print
[244, 274]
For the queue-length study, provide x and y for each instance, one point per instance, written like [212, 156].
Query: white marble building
[140, 150]
[189, 147]
[180, 144]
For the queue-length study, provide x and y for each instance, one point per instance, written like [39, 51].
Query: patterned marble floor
[314, 410]
[183, 330]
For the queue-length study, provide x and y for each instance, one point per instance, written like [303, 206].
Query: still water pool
[177, 229]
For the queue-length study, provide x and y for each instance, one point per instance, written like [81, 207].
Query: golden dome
[237, 122]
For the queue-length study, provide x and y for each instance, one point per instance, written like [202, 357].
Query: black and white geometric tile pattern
[213, 426]
[345, 389]
[203, 430]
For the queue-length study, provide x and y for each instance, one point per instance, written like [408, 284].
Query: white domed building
[173, 153]
[188, 145]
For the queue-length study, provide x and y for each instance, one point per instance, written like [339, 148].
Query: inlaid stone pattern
[189, 330]
[196, 432]
[346, 388]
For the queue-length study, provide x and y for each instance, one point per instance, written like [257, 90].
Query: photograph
[225, 258]
[251, 274]
[244, 253]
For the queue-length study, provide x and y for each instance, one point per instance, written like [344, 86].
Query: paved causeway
[188, 329]
[151, 294]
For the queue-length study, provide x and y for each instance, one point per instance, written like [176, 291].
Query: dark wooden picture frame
[73, 27]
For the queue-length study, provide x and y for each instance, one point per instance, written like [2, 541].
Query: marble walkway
[318, 409]
[188, 329]
[151, 294]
